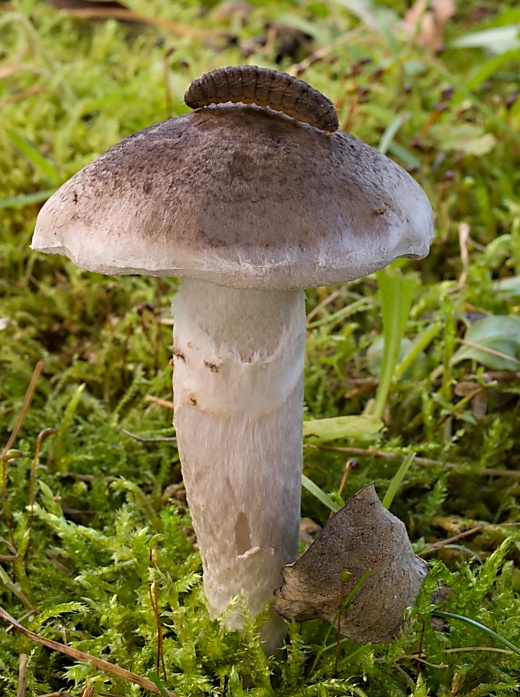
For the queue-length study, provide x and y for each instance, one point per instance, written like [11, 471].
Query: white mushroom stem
[238, 394]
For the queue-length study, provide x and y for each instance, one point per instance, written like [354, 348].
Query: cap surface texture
[238, 196]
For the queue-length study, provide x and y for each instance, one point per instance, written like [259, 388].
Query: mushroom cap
[238, 196]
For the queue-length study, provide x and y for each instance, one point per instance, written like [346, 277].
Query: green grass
[107, 548]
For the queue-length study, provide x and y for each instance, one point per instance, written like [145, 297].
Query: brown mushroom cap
[238, 196]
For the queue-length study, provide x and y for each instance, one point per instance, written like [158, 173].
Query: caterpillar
[264, 87]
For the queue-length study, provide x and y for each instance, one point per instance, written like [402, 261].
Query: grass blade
[397, 480]
[396, 293]
[474, 623]
[315, 490]
[34, 156]
[26, 199]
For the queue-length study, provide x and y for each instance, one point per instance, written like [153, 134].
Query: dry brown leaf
[426, 20]
[362, 537]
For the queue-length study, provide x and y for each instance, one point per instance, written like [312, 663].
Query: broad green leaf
[493, 342]
[509, 286]
[498, 39]
[376, 350]
[324, 430]
[396, 292]
[466, 137]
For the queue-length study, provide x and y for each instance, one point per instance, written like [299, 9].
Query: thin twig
[464, 254]
[5, 488]
[157, 400]
[449, 540]
[41, 437]
[321, 305]
[492, 352]
[8, 557]
[14, 435]
[463, 649]
[465, 533]
[416, 657]
[22, 675]
[153, 594]
[25, 408]
[348, 467]
[369, 452]
[99, 663]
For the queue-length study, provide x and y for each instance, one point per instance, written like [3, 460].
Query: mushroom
[248, 207]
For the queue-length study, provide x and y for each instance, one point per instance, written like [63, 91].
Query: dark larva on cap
[266, 88]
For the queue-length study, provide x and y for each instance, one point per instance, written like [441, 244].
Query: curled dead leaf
[362, 555]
